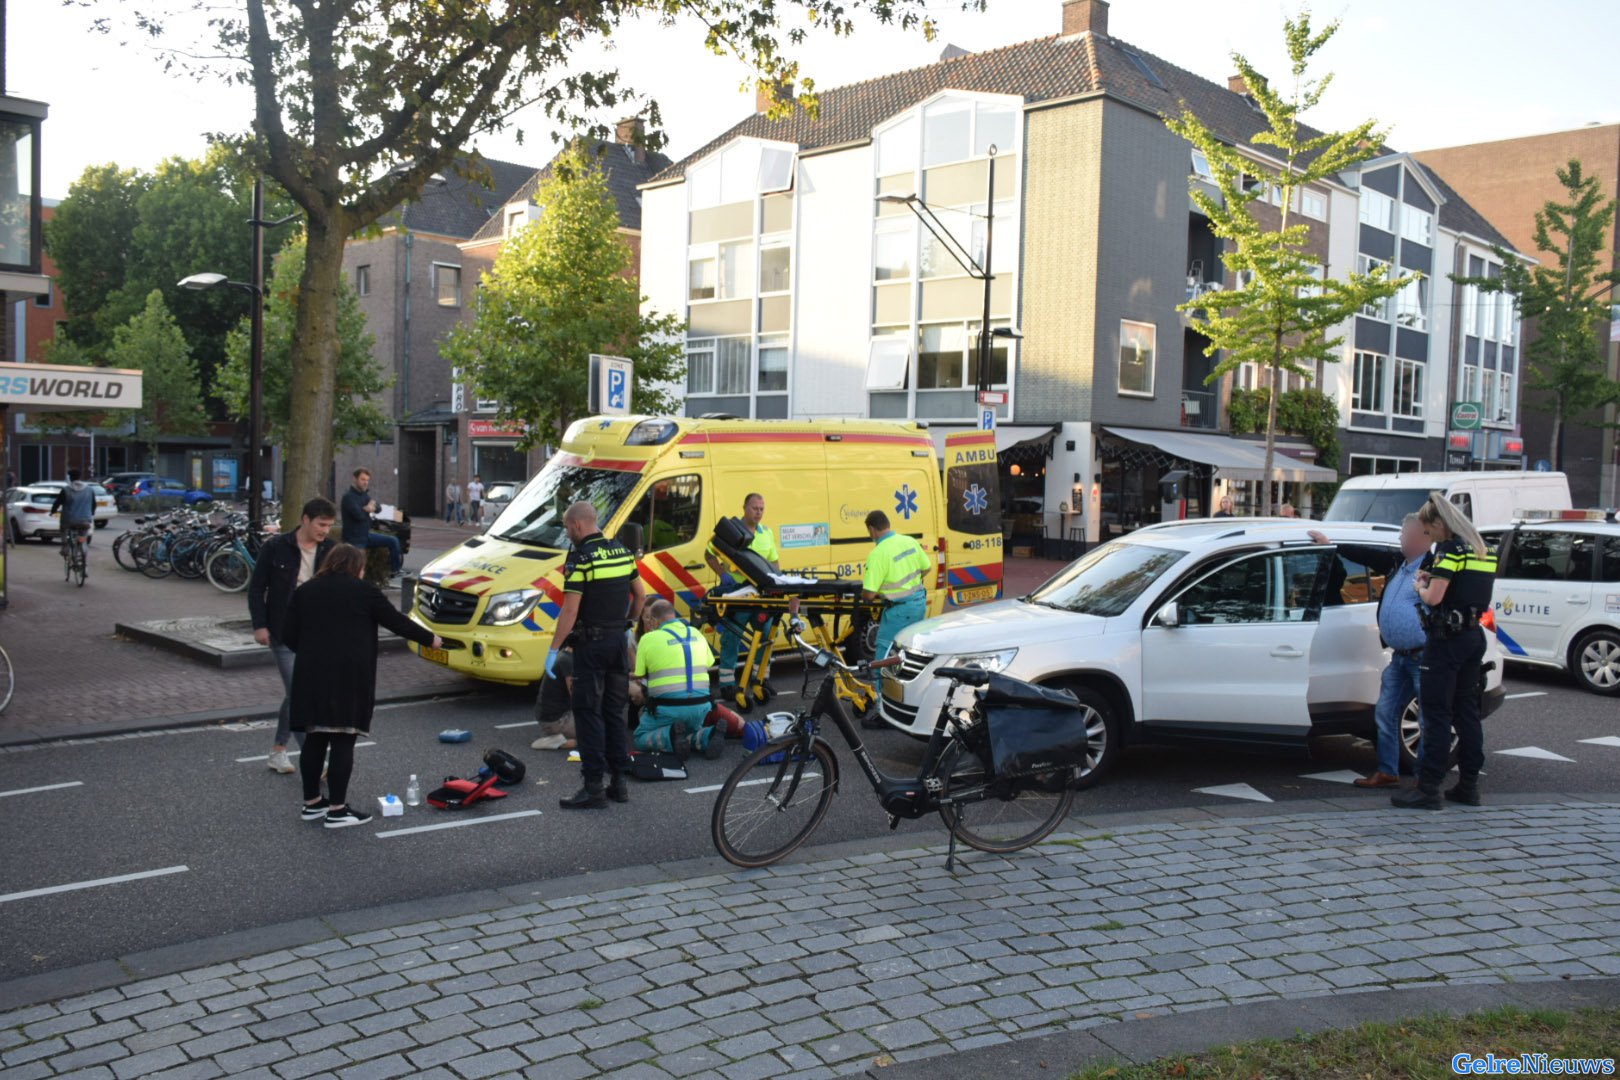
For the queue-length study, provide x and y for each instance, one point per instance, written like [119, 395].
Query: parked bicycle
[998, 769]
[75, 563]
[187, 544]
[8, 679]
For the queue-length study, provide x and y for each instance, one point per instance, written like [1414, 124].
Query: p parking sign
[610, 385]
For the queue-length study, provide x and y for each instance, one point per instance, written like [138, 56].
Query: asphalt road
[198, 810]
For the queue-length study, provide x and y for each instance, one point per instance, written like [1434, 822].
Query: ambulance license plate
[976, 595]
[438, 656]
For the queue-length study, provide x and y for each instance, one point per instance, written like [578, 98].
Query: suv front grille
[911, 665]
[446, 607]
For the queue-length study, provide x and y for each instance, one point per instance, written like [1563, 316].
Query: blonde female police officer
[1457, 590]
[895, 575]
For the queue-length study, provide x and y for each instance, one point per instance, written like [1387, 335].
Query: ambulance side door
[676, 518]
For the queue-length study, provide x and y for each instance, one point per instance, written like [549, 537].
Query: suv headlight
[989, 661]
[506, 608]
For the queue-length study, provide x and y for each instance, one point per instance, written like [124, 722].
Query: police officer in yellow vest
[601, 590]
[738, 619]
[675, 660]
[895, 575]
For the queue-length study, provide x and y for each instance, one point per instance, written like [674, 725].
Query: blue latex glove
[551, 663]
[726, 578]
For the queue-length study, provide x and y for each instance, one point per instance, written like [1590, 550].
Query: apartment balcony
[1199, 409]
[1195, 288]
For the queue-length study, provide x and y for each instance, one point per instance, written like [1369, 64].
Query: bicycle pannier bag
[1033, 729]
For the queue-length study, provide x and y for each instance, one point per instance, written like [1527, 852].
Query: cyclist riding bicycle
[78, 506]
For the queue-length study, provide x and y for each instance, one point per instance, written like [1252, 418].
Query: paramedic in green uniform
[731, 627]
[675, 660]
[895, 575]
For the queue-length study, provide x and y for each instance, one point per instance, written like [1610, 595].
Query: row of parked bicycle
[188, 544]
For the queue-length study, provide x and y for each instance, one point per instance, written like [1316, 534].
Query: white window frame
[905, 229]
[1379, 384]
[1414, 406]
[746, 272]
[692, 261]
[889, 359]
[745, 370]
[1417, 225]
[1201, 167]
[1470, 310]
[487, 405]
[1319, 272]
[1402, 464]
[696, 347]
[1376, 309]
[1470, 384]
[709, 184]
[1505, 407]
[1412, 304]
[776, 242]
[1307, 197]
[1377, 210]
[773, 341]
[1152, 362]
[438, 289]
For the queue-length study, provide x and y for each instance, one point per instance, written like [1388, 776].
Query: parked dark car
[119, 483]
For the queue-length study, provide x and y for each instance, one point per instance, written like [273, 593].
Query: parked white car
[1557, 598]
[1225, 631]
[105, 508]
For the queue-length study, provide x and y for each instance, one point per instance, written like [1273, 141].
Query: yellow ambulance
[495, 598]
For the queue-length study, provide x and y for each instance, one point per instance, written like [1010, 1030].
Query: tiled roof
[624, 174]
[458, 207]
[1046, 69]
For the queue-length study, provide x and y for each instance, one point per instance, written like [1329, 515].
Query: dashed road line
[521, 723]
[1535, 752]
[1528, 693]
[1607, 740]
[461, 824]
[1338, 776]
[291, 753]
[47, 787]
[77, 885]
[746, 783]
[1234, 791]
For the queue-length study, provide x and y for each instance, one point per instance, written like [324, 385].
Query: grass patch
[1111, 924]
[1421, 1048]
[591, 1003]
[1079, 842]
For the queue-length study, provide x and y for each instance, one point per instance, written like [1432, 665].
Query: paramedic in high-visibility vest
[731, 627]
[675, 660]
[895, 575]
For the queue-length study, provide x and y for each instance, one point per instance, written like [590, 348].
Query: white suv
[1215, 630]
[1557, 598]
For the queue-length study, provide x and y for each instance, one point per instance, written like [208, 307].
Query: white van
[1488, 498]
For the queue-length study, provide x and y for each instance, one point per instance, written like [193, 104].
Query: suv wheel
[1595, 662]
[1102, 734]
[1412, 738]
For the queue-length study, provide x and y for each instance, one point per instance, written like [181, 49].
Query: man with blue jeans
[357, 510]
[286, 561]
[1400, 628]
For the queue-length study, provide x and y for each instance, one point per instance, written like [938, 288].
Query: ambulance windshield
[535, 516]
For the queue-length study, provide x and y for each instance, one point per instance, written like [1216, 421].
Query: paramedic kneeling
[675, 660]
[894, 575]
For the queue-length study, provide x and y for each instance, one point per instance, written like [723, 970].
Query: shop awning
[1007, 435]
[1232, 458]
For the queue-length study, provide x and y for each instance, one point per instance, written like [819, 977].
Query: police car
[1232, 631]
[1557, 595]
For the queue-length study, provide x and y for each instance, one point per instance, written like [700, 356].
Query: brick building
[1509, 180]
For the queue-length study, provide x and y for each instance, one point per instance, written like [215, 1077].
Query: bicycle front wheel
[999, 815]
[81, 562]
[228, 570]
[8, 679]
[764, 813]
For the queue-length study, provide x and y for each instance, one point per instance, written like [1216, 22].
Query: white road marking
[291, 753]
[1528, 693]
[463, 822]
[1234, 791]
[1535, 752]
[1339, 776]
[1607, 740]
[53, 889]
[47, 787]
[746, 783]
[522, 723]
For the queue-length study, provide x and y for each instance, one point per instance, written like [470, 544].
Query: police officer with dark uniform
[1457, 589]
[602, 595]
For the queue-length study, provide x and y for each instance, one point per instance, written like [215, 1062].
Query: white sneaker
[281, 763]
[549, 742]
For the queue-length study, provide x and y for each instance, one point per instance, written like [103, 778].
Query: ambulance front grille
[445, 607]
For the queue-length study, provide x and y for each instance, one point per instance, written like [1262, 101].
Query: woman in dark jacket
[331, 625]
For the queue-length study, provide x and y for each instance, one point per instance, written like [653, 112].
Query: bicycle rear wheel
[228, 570]
[762, 814]
[999, 815]
[81, 561]
[155, 559]
[8, 679]
[122, 551]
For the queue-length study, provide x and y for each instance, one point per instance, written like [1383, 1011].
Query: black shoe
[588, 797]
[872, 719]
[680, 737]
[716, 744]
[1422, 797]
[1466, 792]
[314, 811]
[342, 819]
[618, 788]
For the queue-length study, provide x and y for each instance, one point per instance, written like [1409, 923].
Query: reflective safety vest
[895, 569]
[675, 659]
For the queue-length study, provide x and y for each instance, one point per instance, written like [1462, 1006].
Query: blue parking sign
[618, 385]
[987, 419]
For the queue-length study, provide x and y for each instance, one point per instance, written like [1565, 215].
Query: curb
[259, 656]
[170, 959]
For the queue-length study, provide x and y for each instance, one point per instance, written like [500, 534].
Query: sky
[1438, 72]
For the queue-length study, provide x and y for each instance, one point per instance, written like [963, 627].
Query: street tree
[358, 103]
[89, 238]
[171, 392]
[1283, 312]
[357, 416]
[1568, 294]
[561, 289]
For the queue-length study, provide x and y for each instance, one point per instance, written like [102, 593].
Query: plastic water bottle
[413, 792]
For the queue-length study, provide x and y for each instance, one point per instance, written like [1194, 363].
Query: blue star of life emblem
[604, 425]
[975, 499]
[905, 501]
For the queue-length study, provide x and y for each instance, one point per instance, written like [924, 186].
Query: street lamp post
[254, 288]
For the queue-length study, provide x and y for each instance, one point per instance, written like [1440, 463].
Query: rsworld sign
[57, 388]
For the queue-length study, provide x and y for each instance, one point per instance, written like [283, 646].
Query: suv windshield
[1108, 579]
[1389, 506]
[535, 515]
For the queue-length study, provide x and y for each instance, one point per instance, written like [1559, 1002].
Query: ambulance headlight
[989, 661]
[506, 608]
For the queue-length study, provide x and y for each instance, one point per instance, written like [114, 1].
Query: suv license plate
[438, 656]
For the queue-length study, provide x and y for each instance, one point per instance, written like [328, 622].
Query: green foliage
[357, 418]
[1308, 413]
[89, 239]
[1568, 294]
[560, 290]
[1282, 316]
[171, 393]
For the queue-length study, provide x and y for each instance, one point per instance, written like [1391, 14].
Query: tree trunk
[1555, 449]
[1271, 445]
[314, 371]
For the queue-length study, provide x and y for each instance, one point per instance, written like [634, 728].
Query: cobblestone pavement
[832, 965]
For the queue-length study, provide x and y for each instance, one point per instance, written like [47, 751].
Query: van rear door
[972, 519]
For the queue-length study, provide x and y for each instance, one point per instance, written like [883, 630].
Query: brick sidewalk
[837, 965]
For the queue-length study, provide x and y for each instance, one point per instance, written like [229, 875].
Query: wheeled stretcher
[761, 598]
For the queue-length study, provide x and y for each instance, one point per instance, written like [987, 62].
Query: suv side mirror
[1168, 616]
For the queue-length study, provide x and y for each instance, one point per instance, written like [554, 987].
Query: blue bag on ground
[1033, 729]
